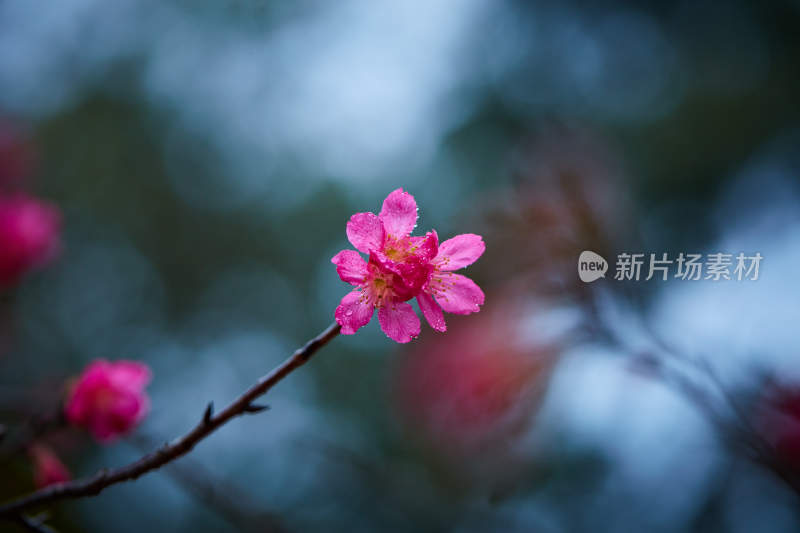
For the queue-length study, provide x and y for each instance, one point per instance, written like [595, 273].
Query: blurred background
[205, 156]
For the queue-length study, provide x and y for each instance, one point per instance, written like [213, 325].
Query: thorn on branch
[209, 412]
[255, 408]
[36, 524]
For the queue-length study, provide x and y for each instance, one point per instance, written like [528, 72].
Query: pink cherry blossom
[108, 399]
[47, 467]
[401, 267]
[29, 235]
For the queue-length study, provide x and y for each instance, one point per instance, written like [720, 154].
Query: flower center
[381, 290]
[104, 399]
[394, 254]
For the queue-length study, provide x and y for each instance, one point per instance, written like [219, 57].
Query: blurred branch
[209, 423]
[735, 429]
[233, 505]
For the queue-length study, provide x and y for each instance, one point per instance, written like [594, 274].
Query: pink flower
[29, 235]
[108, 398]
[47, 468]
[401, 267]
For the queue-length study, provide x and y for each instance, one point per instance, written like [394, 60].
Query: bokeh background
[206, 155]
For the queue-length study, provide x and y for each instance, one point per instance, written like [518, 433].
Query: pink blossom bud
[29, 235]
[47, 467]
[108, 399]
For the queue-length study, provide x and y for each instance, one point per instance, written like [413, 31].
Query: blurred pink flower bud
[473, 392]
[47, 467]
[108, 399]
[29, 235]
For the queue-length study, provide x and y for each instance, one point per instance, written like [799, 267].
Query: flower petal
[365, 232]
[79, 404]
[130, 375]
[456, 293]
[432, 312]
[354, 311]
[399, 213]
[460, 251]
[399, 321]
[350, 266]
[427, 246]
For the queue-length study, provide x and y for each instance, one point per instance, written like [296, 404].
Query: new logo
[591, 266]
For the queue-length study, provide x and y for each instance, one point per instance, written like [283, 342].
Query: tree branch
[209, 423]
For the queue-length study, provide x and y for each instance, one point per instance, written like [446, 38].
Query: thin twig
[182, 445]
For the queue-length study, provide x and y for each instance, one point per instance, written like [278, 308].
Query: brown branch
[209, 423]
